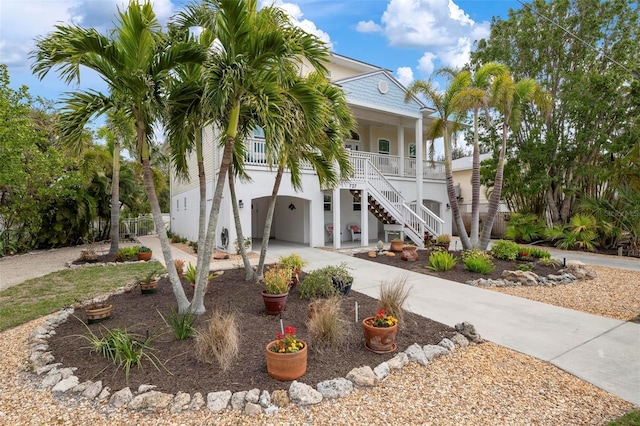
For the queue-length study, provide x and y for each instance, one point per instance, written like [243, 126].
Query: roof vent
[383, 87]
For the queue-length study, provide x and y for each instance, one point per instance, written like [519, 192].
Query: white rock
[434, 351]
[238, 401]
[197, 402]
[363, 376]
[398, 361]
[93, 390]
[447, 344]
[382, 370]
[335, 388]
[416, 354]
[253, 396]
[218, 401]
[180, 402]
[252, 409]
[121, 397]
[66, 384]
[460, 341]
[303, 394]
[152, 401]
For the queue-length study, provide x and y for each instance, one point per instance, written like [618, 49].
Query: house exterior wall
[463, 178]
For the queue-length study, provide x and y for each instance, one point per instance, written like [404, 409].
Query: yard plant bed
[458, 273]
[140, 314]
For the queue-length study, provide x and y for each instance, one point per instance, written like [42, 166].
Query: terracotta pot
[144, 255]
[98, 314]
[409, 253]
[396, 246]
[379, 339]
[294, 280]
[286, 367]
[274, 303]
[150, 287]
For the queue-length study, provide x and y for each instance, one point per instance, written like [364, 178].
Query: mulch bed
[140, 314]
[458, 273]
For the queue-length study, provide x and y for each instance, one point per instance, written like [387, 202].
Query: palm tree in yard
[450, 113]
[510, 98]
[322, 122]
[134, 60]
[249, 59]
[476, 97]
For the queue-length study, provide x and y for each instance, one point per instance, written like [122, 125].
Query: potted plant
[409, 252]
[149, 283]
[276, 289]
[287, 356]
[444, 241]
[396, 245]
[295, 263]
[340, 277]
[179, 264]
[191, 274]
[89, 255]
[144, 253]
[380, 332]
[98, 311]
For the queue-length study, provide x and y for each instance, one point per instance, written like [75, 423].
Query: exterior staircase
[386, 203]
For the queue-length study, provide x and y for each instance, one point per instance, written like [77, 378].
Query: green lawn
[40, 296]
[632, 418]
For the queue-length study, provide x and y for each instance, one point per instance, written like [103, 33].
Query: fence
[499, 229]
[137, 226]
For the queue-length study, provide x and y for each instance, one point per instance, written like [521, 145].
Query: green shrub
[548, 261]
[317, 284]
[479, 264]
[128, 252]
[122, 348]
[581, 232]
[538, 253]
[441, 260]
[505, 250]
[181, 324]
[524, 267]
[475, 254]
[525, 227]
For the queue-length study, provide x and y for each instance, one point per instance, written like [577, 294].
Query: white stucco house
[393, 188]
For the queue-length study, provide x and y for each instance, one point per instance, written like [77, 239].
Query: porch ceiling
[372, 117]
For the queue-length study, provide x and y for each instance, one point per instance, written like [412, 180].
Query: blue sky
[409, 37]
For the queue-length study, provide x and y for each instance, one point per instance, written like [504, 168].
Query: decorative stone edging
[61, 380]
[574, 271]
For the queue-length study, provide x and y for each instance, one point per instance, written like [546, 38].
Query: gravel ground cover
[485, 384]
[614, 293]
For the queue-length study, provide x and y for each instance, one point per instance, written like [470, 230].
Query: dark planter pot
[149, 288]
[145, 255]
[274, 303]
[380, 340]
[286, 367]
[343, 288]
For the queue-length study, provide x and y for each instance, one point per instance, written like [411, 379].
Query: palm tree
[476, 97]
[119, 130]
[251, 56]
[322, 122]
[510, 98]
[134, 60]
[448, 122]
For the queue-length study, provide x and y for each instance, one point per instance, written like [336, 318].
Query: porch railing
[256, 154]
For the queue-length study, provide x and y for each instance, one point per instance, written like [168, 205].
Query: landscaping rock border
[61, 380]
[574, 271]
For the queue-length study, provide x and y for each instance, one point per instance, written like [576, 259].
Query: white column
[401, 149]
[419, 161]
[337, 227]
[364, 218]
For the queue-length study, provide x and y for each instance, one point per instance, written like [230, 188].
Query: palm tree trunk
[451, 193]
[475, 184]
[494, 202]
[176, 285]
[115, 200]
[204, 262]
[236, 218]
[269, 221]
[202, 182]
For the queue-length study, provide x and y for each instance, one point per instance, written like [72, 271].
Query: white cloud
[368, 27]
[426, 64]
[295, 13]
[405, 75]
[440, 27]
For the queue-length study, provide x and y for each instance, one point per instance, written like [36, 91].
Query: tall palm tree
[119, 133]
[510, 98]
[476, 97]
[322, 122]
[448, 122]
[134, 60]
[251, 55]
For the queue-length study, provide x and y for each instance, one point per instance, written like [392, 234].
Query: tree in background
[557, 161]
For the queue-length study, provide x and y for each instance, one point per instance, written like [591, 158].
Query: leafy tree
[556, 161]
[134, 60]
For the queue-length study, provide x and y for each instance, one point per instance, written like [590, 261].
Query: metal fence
[137, 226]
